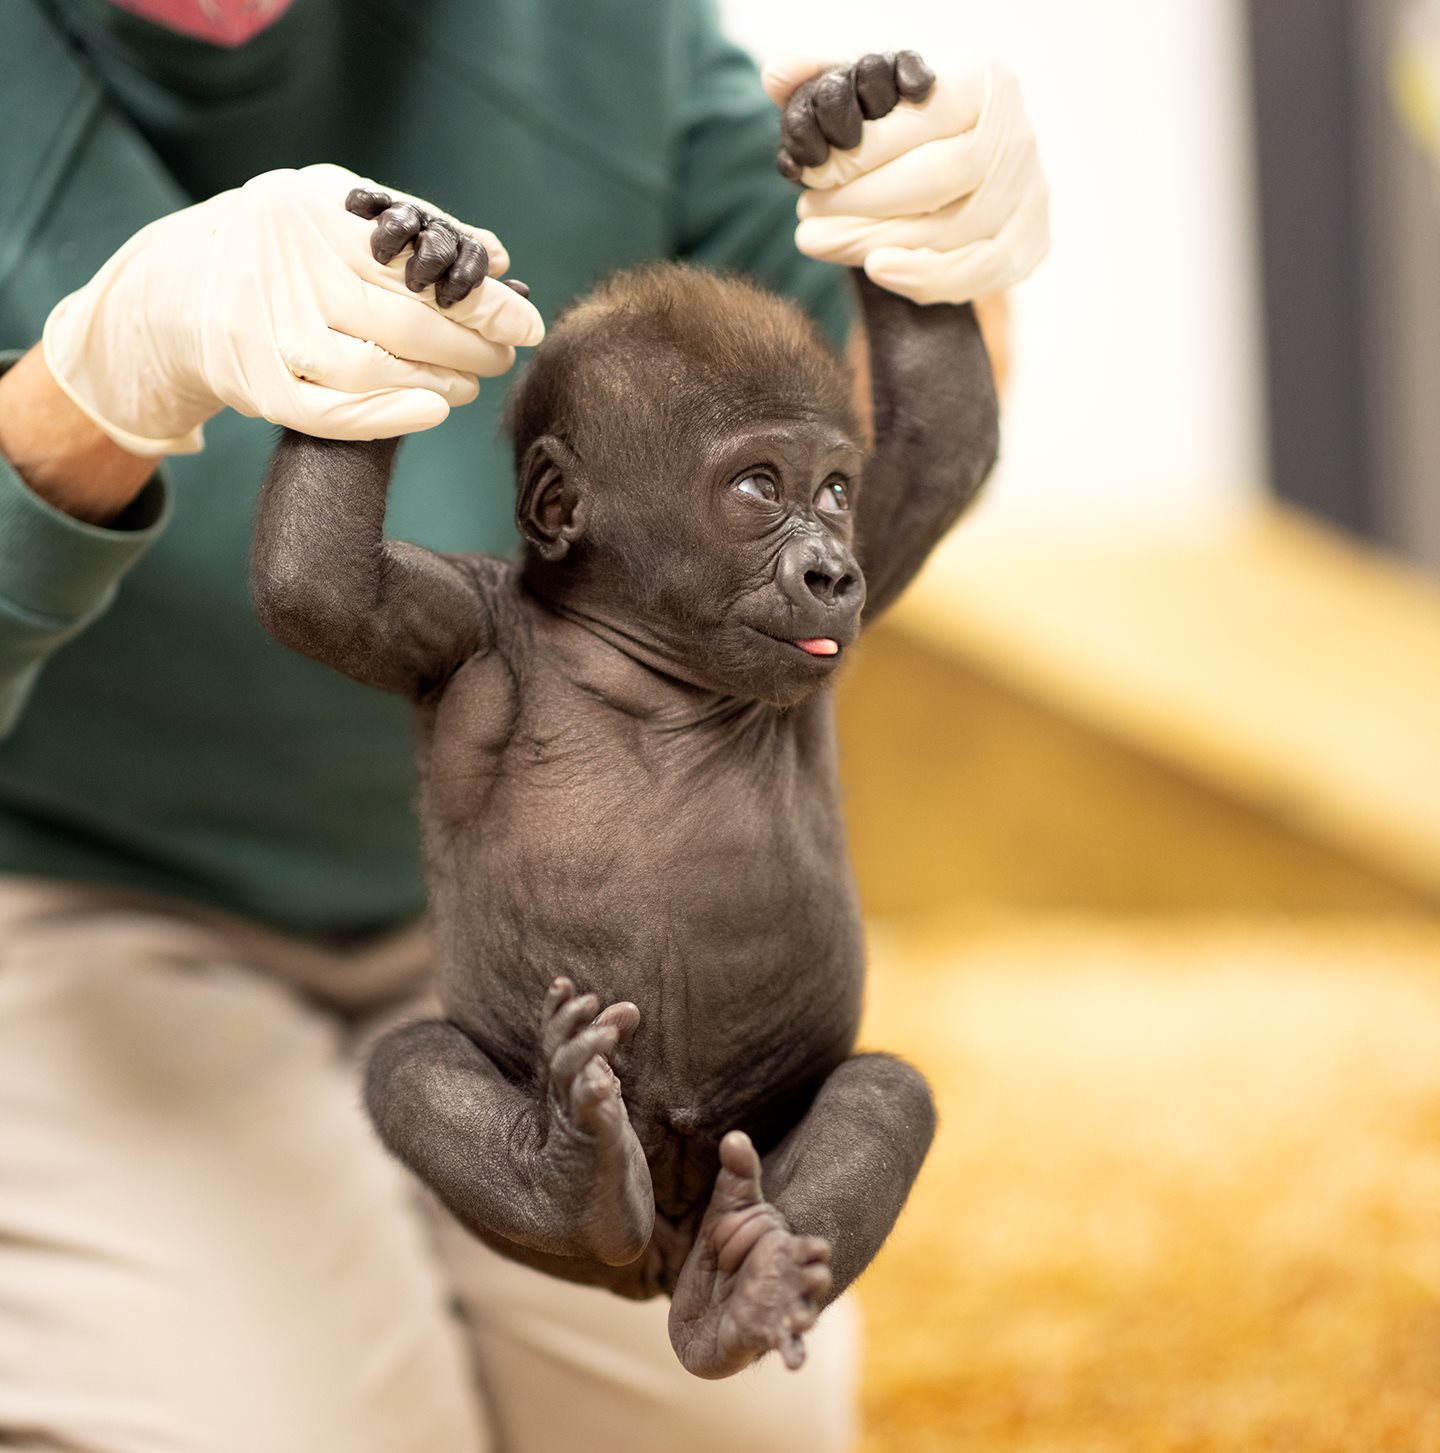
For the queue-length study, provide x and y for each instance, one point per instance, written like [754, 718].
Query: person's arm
[736, 211]
[76, 511]
[966, 168]
[932, 184]
[315, 331]
[59, 452]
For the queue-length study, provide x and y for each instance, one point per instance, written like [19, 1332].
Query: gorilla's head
[687, 455]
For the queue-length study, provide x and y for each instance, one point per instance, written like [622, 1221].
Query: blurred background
[1144, 775]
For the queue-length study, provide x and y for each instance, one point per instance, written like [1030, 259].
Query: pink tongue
[820, 646]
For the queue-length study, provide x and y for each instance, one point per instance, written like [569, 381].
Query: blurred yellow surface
[1151, 828]
[963, 790]
[1243, 717]
[1185, 1196]
[1272, 657]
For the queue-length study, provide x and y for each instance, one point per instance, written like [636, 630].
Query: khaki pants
[203, 1248]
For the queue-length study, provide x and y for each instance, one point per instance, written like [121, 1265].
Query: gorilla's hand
[456, 262]
[931, 183]
[831, 109]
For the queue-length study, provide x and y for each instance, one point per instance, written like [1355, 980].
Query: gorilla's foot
[589, 1141]
[749, 1284]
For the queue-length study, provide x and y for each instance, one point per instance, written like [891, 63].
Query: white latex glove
[266, 299]
[943, 201]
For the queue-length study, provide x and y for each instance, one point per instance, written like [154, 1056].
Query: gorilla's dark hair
[659, 351]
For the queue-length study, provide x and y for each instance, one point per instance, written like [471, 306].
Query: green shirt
[159, 738]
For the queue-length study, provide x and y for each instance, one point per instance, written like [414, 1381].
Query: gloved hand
[943, 200]
[267, 299]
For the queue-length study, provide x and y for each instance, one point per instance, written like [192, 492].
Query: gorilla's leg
[781, 1240]
[560, 1172]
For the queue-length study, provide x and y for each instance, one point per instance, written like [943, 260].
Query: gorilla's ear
[552, 501]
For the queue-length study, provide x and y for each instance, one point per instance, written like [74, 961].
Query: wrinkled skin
[648, 948]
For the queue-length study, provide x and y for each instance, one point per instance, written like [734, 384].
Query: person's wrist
[126, 348]
[59, 451]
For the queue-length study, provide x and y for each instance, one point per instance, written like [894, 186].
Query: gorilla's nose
[823, 571]
[829, 584]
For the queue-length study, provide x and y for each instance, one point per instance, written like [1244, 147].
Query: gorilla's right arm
[327, 584]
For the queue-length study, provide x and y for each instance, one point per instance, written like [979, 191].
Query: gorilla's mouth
[819, 648]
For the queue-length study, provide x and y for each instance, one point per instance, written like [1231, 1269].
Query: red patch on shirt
[220, 22]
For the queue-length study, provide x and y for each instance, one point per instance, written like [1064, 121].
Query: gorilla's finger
[436, 248]
[466, 273]
[913, 77]
[398, 225]
[875, 86]
[572, 1015]
[516, 285]
[364, 202]
[837, 111]
[623, 1017]
[502, 314]
[800, 132]
[560, 992]
[787, 166]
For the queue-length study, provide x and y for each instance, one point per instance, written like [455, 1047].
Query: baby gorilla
[637, 867]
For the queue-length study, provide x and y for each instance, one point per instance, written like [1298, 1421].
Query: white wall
[1136, 390]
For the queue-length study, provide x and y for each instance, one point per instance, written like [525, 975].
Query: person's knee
[569, 1367]
[770, 1409]
[229, 1261]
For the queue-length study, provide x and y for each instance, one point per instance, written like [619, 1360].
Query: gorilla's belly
[728, 917]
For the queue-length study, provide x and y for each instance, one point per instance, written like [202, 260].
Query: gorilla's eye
[759, 486]
[833, 495]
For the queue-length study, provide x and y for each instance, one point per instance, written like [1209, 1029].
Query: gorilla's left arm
[327, 584]
[932, 391]
[936, 422]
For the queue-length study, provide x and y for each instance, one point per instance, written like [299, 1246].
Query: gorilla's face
[735, 556]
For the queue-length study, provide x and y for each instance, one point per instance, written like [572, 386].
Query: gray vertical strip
[1399, 233]
[1303, 79]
